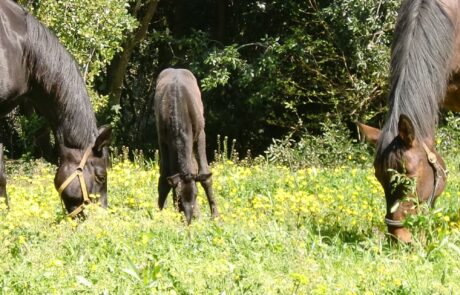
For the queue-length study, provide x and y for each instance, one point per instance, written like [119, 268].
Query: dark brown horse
[180, 129]
[425, 68]
[37, 69]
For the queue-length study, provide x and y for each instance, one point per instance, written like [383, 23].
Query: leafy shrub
[448, 137]
[333, 148]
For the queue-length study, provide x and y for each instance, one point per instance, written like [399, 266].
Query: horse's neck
[57, 88]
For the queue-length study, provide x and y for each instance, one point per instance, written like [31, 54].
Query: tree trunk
[220, 24]
[178, 26]
[117, 69]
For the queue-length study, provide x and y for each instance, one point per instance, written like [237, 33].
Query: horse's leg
[163, 185]
[3, 178]
[204, 169]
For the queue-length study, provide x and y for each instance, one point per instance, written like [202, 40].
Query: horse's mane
[54, 70]
[421, 53]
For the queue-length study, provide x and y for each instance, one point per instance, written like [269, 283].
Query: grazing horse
[37, 69]
[181, 137]
[425, 69]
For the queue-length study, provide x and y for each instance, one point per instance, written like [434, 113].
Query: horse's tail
[420, 65]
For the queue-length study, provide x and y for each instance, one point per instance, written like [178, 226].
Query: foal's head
[410, 172]
[186, 191]
[83, 173]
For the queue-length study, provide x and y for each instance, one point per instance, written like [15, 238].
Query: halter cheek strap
[438, 170]
[78, 173]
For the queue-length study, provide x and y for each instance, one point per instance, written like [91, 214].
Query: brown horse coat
[425, 77]
[181, 138]
[36, 69]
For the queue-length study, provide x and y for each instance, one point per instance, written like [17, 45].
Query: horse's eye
[100, 178]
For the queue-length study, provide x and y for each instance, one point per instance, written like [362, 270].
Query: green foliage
[333, 148]
[92, 31]
[448, 135]
[273, 63]
[30, 126]
[309, 231]
[325, 60]
[220, 63]
[401, 182]
[261, 67]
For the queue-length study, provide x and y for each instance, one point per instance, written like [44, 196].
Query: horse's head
[82, 173]
[186, 190]
[410, 172]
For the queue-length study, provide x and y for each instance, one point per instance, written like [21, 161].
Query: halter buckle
[432, 158]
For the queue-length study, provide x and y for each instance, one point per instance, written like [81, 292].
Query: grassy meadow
[280, 231]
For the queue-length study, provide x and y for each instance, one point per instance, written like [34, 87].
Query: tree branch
[119, 64]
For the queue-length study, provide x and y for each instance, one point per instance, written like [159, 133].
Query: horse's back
[178, 104]
[179, 82]
[13, 32]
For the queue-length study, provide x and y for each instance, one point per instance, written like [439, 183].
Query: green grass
[310, 231]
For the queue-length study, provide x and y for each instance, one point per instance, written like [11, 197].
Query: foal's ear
[203, 177]
[406, 130]
[370, 134]
[103, 139]
[174, 180]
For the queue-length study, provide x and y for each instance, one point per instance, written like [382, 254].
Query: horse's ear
[406, 130]
[203, 177]
[370, 134]
[174, 180]
[103, 139]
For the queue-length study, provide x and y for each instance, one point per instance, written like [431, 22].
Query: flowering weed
[303, 231]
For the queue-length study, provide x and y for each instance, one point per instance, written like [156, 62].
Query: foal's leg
[163, 185]
[3, 178]
[204, 169]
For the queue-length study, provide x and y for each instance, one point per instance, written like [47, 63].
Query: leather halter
[438, 171]
[78, 173]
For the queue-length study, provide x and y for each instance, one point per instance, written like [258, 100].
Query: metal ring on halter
[78, 173]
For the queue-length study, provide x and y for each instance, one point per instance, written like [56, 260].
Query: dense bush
[264, 66]
[334, 147]
[277, 62]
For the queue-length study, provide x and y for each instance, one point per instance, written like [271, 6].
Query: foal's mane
[54, 71]
[421, 52]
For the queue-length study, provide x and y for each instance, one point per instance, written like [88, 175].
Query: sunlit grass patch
[305, 231]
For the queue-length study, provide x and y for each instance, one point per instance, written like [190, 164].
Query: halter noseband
[438, 171]
[78, 173]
